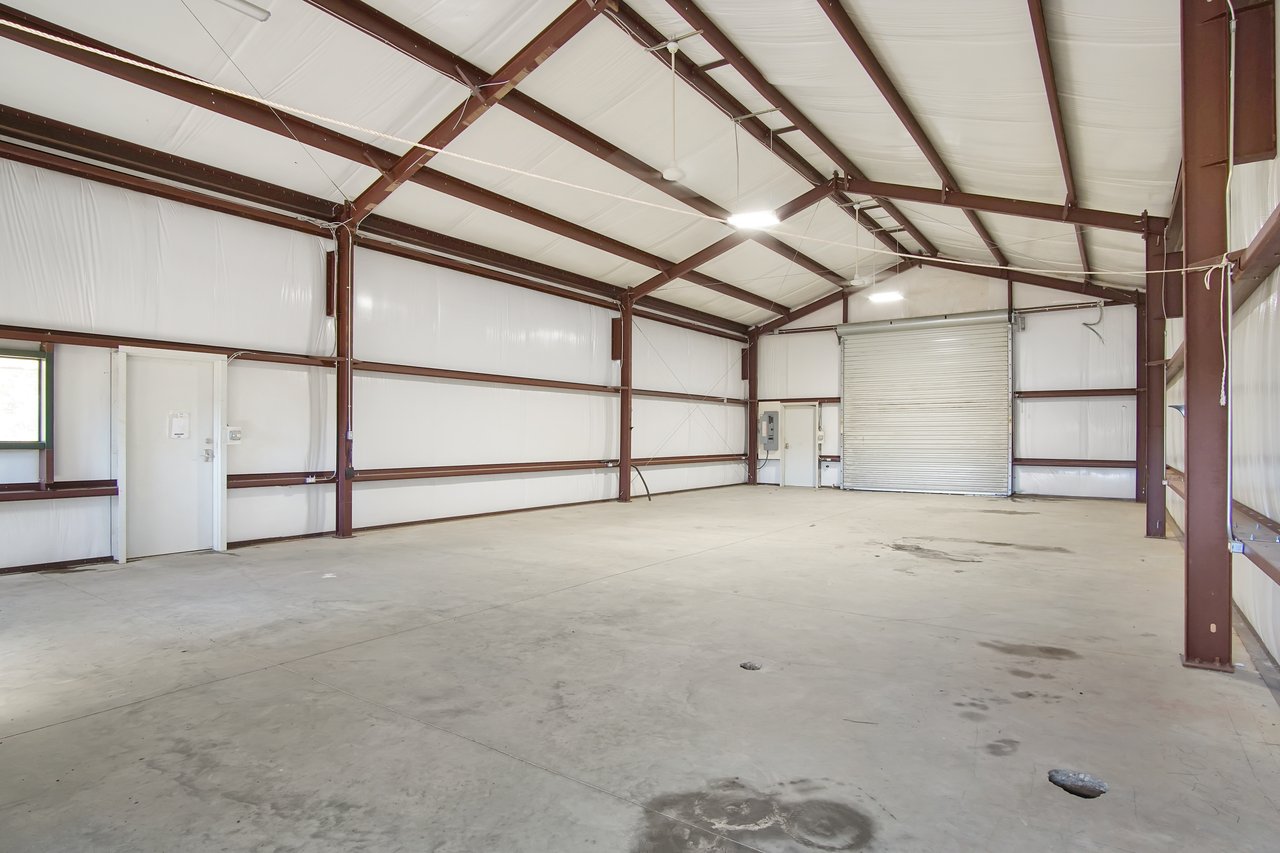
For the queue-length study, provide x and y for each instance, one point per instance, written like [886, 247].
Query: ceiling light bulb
[244, 7]
[754, 220]
[673, 173]
[862, 281]
[885, 296]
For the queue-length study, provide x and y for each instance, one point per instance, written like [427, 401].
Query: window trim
[45, 357]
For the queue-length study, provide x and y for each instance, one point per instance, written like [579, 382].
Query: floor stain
[973, 715]
[1008, 512]
[1003, 747]
[1023, 673]
[731, 816]
[1049, 549]
[1026, 650]
[933, 553]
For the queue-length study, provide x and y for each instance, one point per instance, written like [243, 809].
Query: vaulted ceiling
[555, 120]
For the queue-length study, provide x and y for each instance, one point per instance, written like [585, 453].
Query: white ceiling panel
[1118, 67]
[760, 270]
[426, 208]
[947, 228]
[1037, 244]
[832, 237]
[971, 75]
[300, 56]
[616, 204]
[487, 33]
[70, 93]
[1121, 257]
[794, 45]
[692, 296]
[606, 82]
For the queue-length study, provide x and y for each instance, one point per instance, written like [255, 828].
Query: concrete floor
[569, 680]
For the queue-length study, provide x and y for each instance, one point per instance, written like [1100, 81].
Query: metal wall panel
[927, 409]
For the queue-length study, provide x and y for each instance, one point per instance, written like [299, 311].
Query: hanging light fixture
[673, 172]
[244, 7]
[754, 220]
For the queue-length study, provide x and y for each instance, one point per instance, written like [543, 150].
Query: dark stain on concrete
[1026, 650]
[973, 715]
[1008, 512]
[1025, 694]
[1003, 748]
[933, 553]
[1049, 549]
[731, 816]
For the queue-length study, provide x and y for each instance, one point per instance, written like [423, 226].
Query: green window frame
[16, 431]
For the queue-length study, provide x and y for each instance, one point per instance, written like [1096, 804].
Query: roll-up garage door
[926, 405]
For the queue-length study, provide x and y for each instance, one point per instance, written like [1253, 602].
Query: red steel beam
[1040, 29]
[723, 45]
[1097, 291]
[715, 250]
[1077, 463]
[704, 84]
[752, 356]
[849, 31]
[39, 130]
[1259, 260]
[1152, 363]
[625, 332]
[413, 45]
[1204, 154]
[484, 95]
[99, 174]
[1076, 394]
[430, 241]
[481, 197]
[344, 465]
[197, 94]
[1133, 223]
[490, 378]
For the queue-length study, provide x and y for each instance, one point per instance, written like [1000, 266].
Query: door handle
[208, 454]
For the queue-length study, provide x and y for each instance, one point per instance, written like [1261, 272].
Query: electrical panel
[769, 430]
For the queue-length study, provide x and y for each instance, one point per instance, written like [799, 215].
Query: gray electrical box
[769, 430]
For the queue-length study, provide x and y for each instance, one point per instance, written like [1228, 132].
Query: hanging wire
[277, 107]
[283, 123]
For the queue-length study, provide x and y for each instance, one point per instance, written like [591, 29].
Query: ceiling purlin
[849, 31]
[1040, 28]
[483, 96]
[412, 44]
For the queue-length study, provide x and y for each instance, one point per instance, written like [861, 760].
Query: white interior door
[800, 446]
[172, 487]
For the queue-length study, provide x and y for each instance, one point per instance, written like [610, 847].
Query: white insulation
[85, 259]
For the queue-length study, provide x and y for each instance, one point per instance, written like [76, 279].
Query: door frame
[817, 448]
[119, 444]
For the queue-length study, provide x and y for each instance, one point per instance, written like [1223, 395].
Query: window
[26, 385]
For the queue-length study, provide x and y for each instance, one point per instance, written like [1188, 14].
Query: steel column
[1140, 410]
[624, 404]
[1204, 152]
[1151, 365]
[753, 407]
[345, 245]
